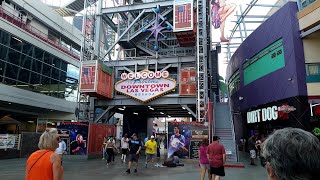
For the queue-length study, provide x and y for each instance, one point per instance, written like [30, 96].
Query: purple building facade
[278, 98]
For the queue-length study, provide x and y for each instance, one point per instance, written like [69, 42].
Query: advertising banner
[7, 141]
[183, 15]
[78, 135]
[145, 85]
[88, 78]
[180, 137]
[221, 14]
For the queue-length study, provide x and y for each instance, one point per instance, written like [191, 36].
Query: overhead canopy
[247, 17]
[8, 120]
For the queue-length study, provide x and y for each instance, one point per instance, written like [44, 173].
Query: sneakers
[128, 171]
[135, 170]
[103, 159]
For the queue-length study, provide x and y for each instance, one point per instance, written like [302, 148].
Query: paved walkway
[14, 169]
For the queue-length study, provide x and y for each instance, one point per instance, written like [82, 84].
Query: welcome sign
[145, 85]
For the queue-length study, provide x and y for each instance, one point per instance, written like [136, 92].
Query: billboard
[78, 136]
[221, 14]
[183, 15]
[145, 85]
[180, 136]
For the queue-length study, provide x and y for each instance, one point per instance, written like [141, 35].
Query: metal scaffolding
[247, 19]
[202, 48]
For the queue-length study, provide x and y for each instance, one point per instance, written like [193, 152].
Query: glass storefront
[28, 67]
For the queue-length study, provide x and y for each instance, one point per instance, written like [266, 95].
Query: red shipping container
[97, 132]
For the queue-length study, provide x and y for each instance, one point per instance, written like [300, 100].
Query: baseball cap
[214, 138]
[152, 137]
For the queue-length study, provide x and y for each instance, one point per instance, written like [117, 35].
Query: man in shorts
[134, 149]
[151, 146]
[216, 154]
[252, 149]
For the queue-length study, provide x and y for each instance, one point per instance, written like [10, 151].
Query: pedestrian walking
[252, 149]
[158, 140]
[203, 159]
[134, 150]
[124, 148]
[44, 163]
[151, 146]
[104, 148]
[110, 148]
[216, 154]
[61, 149]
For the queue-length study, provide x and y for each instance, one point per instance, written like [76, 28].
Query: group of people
[135, 146]
[289, 153]
[212, 158]
[254, 146]
[132, 146]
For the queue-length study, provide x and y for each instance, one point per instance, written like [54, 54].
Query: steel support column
[98, 29]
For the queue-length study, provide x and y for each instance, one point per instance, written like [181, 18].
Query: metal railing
[17, 21]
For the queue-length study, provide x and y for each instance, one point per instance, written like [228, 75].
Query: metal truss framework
[246, 23]
[202, 48]
[129, 20]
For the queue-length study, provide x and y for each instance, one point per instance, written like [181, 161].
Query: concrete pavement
[14, 169]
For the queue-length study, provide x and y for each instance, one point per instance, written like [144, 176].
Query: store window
[27, 67]
[313, 72]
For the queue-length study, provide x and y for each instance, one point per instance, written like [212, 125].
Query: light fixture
[124, 107]
[169, 116]
[151, 109]
[161, 113]
[30, 121]
[9, 103]
[51, 110]
[183, 107]
[149, 106]
[189, 112]
[135, 113]
[121, 109]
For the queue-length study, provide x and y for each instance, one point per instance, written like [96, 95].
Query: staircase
[223, 127]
